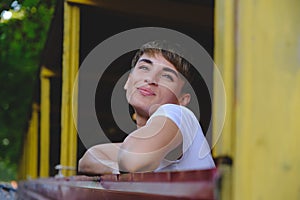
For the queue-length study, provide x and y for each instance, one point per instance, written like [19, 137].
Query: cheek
[128, 87]
[133, 80]
[169, 96]
[172, 90]
[129, 84]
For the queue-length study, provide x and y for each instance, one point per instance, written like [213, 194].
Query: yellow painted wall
[265, 97]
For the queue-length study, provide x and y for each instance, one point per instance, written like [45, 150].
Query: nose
[151, 79]
[150, 82]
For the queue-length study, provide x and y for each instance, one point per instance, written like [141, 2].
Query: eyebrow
[146, 61]
[170, 70]
[167, 69]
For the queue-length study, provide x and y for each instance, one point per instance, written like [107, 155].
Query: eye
[168, 76]
[143, 67]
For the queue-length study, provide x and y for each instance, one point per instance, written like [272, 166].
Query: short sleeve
[183, 118]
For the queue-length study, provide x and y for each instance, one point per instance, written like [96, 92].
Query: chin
[142, 108]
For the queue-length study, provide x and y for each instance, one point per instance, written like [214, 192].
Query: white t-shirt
[196, 151]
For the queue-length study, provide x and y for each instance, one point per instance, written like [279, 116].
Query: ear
[184, 99]
[127, 82]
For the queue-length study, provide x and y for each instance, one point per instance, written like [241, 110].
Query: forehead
[157, 59]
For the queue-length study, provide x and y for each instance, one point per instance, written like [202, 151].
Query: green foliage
[7, 170]
[21, 43]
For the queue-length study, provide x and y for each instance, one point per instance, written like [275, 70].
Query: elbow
[131, 167]
[83, 166]
[86, 163]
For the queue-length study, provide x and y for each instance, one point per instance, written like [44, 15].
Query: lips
[146, 91]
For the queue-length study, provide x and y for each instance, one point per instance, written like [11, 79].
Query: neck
[140, 120]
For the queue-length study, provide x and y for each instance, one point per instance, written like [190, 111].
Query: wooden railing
[198, 184]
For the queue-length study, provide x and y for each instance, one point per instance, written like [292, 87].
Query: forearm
[99, 164]
[145, 148]
[131, 162]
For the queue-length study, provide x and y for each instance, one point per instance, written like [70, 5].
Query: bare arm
[144, 149]
[141, 151]
[100, 159]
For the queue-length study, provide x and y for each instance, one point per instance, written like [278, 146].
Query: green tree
[22, 38]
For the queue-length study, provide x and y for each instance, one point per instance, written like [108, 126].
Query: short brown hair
[168, 52]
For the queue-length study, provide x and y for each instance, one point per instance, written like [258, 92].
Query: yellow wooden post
[28, 167]
[70, 68]
[33, 143]
[224, 57]
[26, 155]
[45, 122]
[268, 109]
[265, 103]
[23, 164]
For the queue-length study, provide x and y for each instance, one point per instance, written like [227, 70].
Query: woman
[156, 89]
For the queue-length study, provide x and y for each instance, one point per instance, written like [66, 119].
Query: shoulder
[171, 109]
[176, 113]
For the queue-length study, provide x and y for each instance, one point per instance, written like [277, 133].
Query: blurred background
[254, 44]
[23, 31]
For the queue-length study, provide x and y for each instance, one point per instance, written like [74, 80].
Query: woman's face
[153, 81]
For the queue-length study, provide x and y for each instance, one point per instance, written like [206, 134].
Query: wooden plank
[225, 60]
[45, 74]
[264, 99]
[33, 137]
[224, 57]
[268, 105]
[191, 185]
[182, 12]
[70, 68]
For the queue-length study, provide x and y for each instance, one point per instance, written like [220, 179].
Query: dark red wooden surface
[198, 184]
